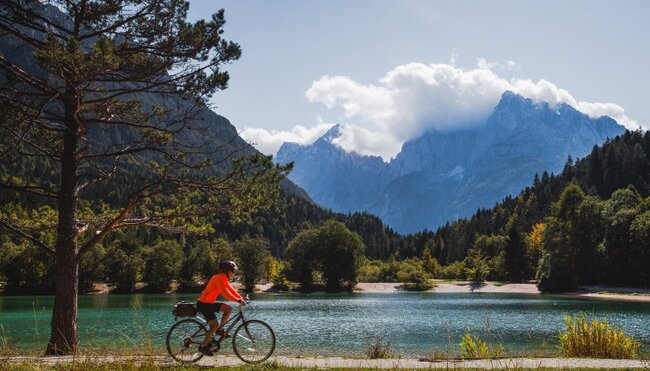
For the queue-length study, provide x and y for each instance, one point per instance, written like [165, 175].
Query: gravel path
[405, 363]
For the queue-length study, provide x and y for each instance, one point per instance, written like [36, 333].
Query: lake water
[335, 324]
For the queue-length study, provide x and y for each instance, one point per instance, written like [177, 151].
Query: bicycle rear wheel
[183, 340]
[253, 341]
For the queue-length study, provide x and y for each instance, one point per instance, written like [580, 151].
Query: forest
[588, 224]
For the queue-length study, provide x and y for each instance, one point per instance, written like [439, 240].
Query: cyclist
[207, 305]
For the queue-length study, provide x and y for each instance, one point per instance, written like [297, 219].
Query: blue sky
[388, 70]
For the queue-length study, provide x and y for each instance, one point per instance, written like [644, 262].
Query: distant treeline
[588, 224]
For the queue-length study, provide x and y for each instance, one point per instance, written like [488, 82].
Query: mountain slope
[205, 123]
[343, 178]
[442, 176]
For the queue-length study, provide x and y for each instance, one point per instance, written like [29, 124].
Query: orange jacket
[219, 284]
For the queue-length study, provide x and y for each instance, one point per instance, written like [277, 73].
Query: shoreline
[589, 292]
[635, 294]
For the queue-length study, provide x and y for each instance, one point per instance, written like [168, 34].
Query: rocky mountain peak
[442, 176]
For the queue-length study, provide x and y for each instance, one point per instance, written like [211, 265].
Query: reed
[472, 346]
[595, 339]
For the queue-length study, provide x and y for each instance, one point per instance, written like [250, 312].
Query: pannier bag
[184, 309]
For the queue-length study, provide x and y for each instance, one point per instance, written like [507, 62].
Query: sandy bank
[600, 292]
[459, 286]
[597, 292]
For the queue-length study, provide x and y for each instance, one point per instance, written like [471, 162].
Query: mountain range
[441, 176]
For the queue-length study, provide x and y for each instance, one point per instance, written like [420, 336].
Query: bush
[472, 346]
[380, 271]
[476, 266]
[371, 271]
[380, 349]
[595, 340]
[281, 283]
[455, 270]
[414, 277]
[26, 268]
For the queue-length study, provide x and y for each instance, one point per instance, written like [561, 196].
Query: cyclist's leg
[213, 328]
[226, 310]
[207, 310]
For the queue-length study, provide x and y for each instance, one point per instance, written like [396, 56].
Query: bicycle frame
[184, 335]
[232, 321]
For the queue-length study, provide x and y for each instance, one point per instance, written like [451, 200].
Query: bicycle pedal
[214, 346]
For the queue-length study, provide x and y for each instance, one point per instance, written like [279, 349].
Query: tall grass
[595, 339]
[380, 349]
[472, 346]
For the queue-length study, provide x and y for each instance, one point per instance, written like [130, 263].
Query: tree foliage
[111, 89]
[253, 255]
[331, 250]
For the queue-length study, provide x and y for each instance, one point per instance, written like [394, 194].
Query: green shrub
[595, 340]
[380, 349]
[472, 346]
[371, 271]
[476, 266]
[281, 283]
[455, 270]
[417, 281]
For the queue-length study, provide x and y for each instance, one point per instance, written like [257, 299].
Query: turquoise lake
[335, 324]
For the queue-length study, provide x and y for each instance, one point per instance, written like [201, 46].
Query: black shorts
[208, 310]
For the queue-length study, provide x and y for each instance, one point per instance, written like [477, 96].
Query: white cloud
[366, 142]
[417, 97]
[609, 109]
[270, 141]
[371, 102]
[483, 64]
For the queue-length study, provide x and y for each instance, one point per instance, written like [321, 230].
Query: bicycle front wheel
[253, 341]
[183, 340]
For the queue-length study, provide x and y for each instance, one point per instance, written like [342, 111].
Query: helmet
[228, 265]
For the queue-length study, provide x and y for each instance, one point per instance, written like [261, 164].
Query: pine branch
[16, 230]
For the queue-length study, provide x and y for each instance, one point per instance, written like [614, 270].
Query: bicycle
[253, 340]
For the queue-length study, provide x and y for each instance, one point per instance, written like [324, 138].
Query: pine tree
[117, 87]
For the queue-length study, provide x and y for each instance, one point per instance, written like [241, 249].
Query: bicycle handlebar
[244, 303]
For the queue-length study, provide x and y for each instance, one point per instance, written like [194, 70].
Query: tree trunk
[63, 339]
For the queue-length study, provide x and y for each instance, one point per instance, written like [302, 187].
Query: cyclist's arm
[228, 291]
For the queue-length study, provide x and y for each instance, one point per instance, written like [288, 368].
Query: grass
[596, 339]
[134, 366]
[269, 366]
[473, 347]
[380, 349]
